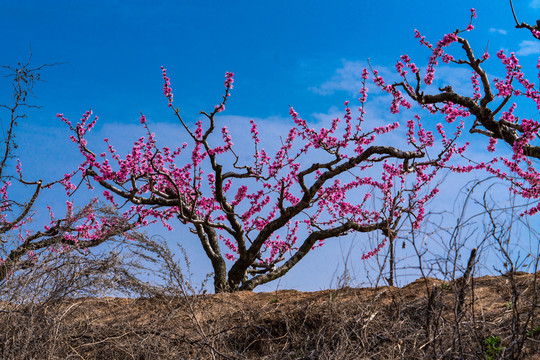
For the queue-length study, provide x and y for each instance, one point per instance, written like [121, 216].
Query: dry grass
[419, 321]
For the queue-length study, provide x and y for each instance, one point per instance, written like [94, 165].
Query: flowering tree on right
[491, 108]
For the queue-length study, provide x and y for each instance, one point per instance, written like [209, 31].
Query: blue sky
[301, 53]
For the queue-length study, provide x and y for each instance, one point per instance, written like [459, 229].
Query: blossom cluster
[167, 91]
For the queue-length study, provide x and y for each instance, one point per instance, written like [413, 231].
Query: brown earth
[422, 320]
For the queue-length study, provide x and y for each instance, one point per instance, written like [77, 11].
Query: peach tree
[22, 244]
[490, 111]
[265, 216]
[257, 218]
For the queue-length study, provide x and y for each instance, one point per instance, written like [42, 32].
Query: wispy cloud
[500, 31]
[349, 78]
[457, 77]
[535, 4]
[528, 47]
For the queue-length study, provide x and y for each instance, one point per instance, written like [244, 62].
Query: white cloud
[459, 77]
[535, 4]
[500, 31]
[349, 78]
[528, 47]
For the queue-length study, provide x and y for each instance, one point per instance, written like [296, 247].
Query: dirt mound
[489, 317]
